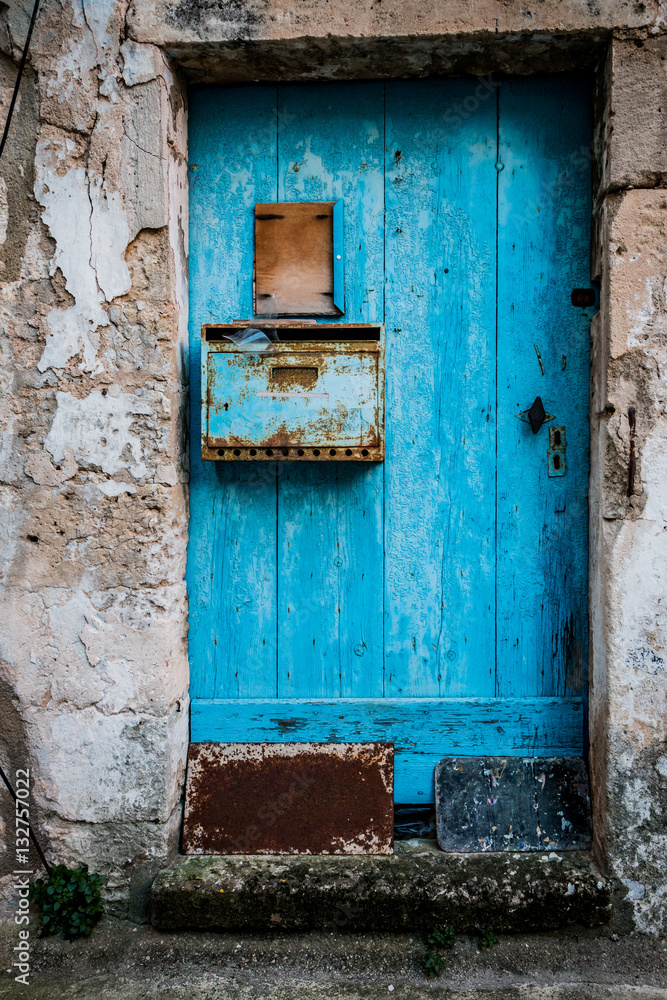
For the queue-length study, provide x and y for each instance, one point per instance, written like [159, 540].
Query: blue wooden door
[437, 600]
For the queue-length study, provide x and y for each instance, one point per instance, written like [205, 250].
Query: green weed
[487, 939]
[434, 961]
[69, 901]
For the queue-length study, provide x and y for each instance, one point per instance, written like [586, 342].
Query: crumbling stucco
[93, 321]
[629, 519]
[93, 494]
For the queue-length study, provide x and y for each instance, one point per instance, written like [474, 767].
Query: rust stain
[287, 377]
[290, 798]
[583, 298]
[279, 452]
[632, 462]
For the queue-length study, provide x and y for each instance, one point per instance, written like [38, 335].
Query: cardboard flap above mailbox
[317, 394]
[299, 259]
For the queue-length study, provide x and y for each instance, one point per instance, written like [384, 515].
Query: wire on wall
[18, 78]
[32, 835]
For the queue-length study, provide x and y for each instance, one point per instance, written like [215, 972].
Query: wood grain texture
[544, 211]
[231, 572]
[423, 730]
[440, 184]
[330, 560]
[458, 572]
[294, 270]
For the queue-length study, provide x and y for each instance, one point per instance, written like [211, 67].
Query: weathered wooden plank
[423, 730]
[544, 210]
[330, 141]
[231, 574]
[440, 191]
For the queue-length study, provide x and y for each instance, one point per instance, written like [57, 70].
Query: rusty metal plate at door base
[289, 798]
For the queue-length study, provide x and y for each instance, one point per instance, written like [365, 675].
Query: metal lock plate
[556, 452]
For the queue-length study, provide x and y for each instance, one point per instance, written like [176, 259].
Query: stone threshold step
[417, 888]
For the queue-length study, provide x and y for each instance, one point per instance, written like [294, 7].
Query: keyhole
[556, 439]
[557, 460]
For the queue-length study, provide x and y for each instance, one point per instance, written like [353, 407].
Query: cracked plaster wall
[628, 695]
[93, 314]
[93, 293]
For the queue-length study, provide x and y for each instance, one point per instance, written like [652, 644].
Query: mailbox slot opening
[294, 376]
[284, 333]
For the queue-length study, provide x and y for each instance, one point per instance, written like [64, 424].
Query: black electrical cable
[32, 835]
[18, 78]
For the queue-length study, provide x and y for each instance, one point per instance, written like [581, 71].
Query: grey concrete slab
[512, 803]
[123, 960]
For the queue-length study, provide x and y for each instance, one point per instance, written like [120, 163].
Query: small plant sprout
[487, 939]
[438, 939]
[69, 901]
[434, 963]
[445, 938]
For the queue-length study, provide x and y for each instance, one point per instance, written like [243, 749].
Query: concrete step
[418, 888]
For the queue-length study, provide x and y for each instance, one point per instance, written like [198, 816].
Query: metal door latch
[536, 415]
[556, 452]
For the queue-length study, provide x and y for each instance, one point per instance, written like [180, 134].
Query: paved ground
[125, 962]
[208, 988]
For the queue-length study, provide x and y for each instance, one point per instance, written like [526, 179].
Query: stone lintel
[170, 22]
[390, 56]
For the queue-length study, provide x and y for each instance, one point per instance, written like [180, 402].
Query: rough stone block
[636, 269]
[175, 23]
[97, 768]
[417, 888]
[144, 158]
[637, 132]
[512, 804]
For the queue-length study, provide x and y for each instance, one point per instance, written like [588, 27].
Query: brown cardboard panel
[289, 798]
[294, 259]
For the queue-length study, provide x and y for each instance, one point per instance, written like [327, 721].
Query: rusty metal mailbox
[315, 394]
